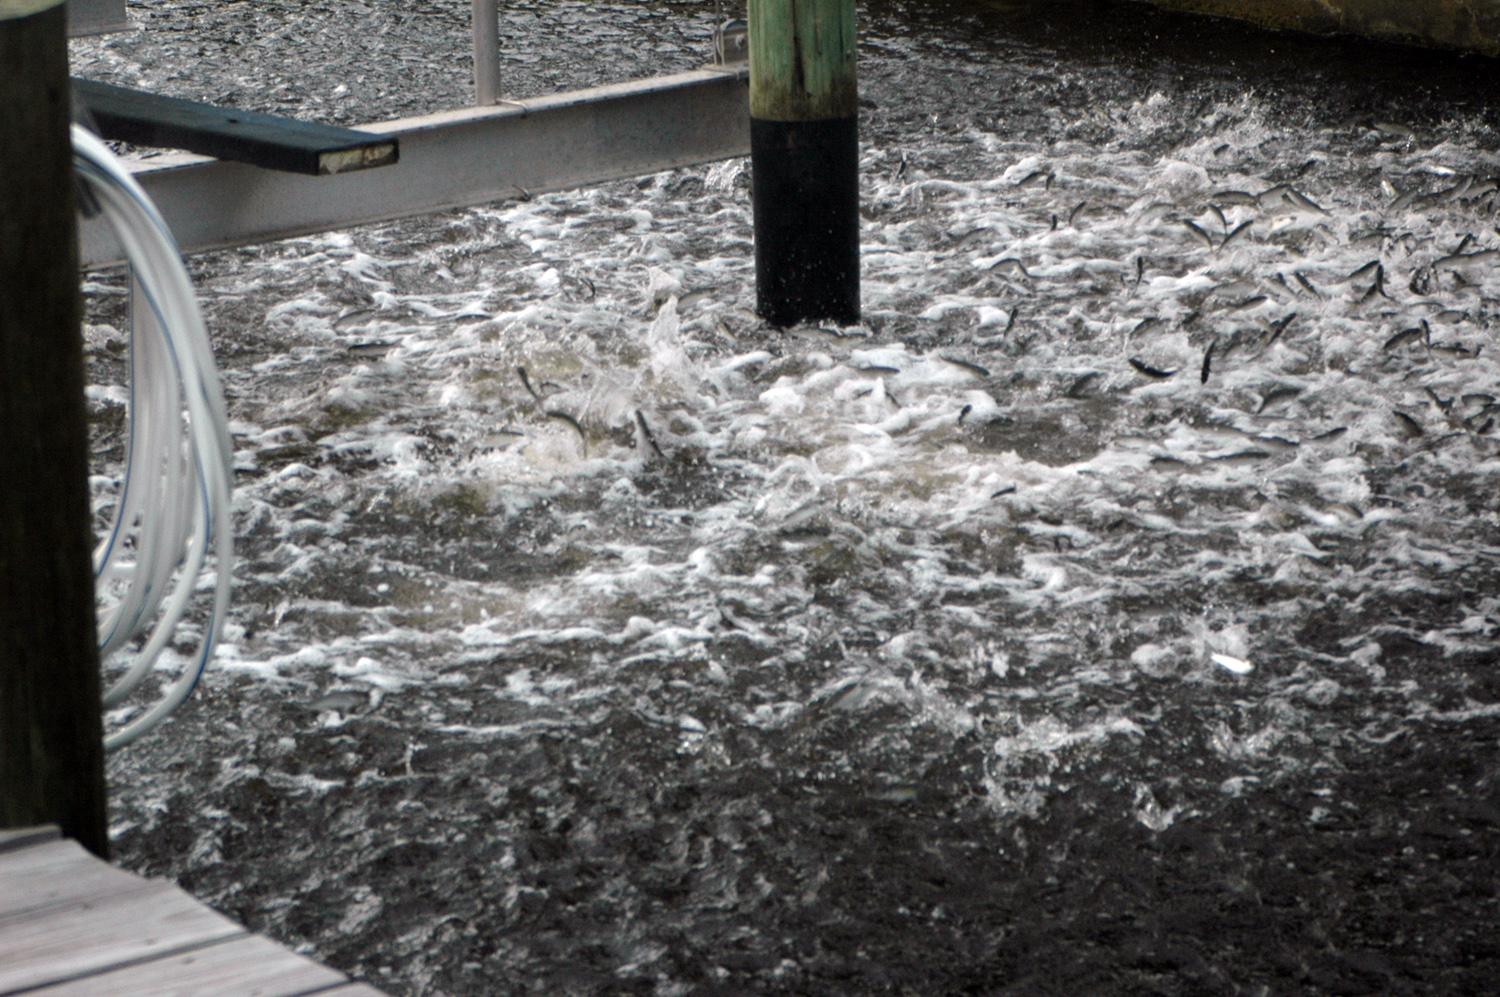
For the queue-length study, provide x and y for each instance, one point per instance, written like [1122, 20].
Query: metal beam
[455, 159]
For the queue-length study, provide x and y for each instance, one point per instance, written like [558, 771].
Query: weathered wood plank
[69, 942]
[24, 837]
[265, 140]
[352, 990]
[56, 873]
[250, 964]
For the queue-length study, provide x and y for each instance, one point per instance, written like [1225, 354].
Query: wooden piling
[51, 740]
[804, 142]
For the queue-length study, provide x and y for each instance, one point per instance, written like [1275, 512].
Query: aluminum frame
[454, 159]
[96, 17]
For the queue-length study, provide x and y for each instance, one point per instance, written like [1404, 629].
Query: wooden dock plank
[24, 837]
[266, 140]
[72, 924]
[250, 964]
[56, 873]
[68, 942]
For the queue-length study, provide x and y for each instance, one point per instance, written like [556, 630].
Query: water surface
[1114, 610]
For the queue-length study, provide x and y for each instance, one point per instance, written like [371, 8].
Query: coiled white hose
[173, 509]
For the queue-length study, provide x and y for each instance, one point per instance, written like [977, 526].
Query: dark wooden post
[51, 739]
[804, 148]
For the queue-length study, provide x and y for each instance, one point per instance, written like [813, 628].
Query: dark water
[847, 692]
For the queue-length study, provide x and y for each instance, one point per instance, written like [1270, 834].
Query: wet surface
[1114, 611]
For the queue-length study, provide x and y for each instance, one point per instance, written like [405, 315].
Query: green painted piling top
[802, 60]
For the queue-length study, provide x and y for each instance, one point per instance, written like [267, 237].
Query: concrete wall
[1465, 24]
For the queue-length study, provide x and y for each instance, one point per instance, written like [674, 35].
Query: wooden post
[804, 148]
[51, 739]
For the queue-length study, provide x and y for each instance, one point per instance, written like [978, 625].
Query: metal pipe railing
[486, 30]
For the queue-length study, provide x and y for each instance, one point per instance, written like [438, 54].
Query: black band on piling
[806, 188]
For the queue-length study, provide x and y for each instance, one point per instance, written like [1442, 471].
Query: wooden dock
[71, 924]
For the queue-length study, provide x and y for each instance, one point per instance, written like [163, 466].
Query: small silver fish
[1081, 382]
[1391, 129]
[1276, 396]
[1010, 262]
[968, 365]
[1249, 456]
[1232, 237]
[565, 417]
[1150, 371]
[1278, 327]
[646, 434]
[1202, 236]
[1410, 427]
[1302, 279]
[1403, 338]
[526, 382]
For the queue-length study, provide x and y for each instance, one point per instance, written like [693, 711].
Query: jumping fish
[1403, 337]
[1302, 279]
[1282, 289]
[1278, 327]
[1392, 130]
[1144, 324]
[1232, 237]
[526, 382]
[1229, 662]
[1011, 262]
[1203, 236]
[1377, 286]
[1461, 262]
[647, 435]
[1233, 198]
[1081, 382]
[1150, 371]
[1410, 427]
[1286, 196]
[561, 416]
[1404, 201]
[967, 365]
[1276, 396]
[1240, 457]
[1208, 356]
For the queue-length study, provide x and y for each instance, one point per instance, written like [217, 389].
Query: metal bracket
[732, 43]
